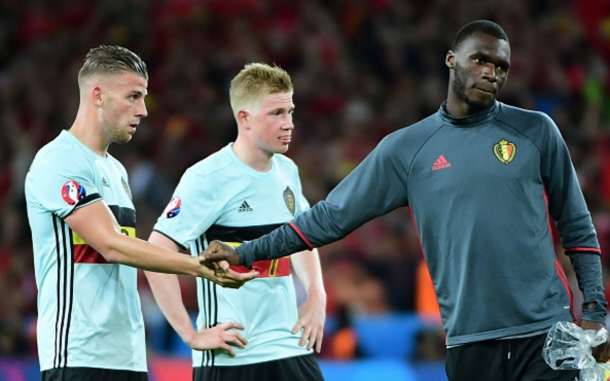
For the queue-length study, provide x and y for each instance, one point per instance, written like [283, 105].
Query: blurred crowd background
[361, 69]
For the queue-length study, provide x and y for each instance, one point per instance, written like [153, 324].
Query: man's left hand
[601, 353]
[312, 315]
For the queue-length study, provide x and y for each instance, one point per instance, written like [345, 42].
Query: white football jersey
[222, 198]
[89, 311]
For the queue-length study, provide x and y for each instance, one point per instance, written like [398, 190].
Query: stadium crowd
[362, 69]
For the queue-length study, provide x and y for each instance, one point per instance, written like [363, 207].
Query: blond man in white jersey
[237, 194]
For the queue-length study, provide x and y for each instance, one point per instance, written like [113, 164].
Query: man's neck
[253, 157]
[88, 132]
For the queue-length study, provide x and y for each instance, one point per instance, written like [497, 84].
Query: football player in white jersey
[83, 229]
[237, 194]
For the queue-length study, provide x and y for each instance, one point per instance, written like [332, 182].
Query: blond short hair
[255, 81]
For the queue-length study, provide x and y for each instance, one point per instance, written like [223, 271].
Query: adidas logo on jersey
[441, 163]
[244, 207]
[105, 183]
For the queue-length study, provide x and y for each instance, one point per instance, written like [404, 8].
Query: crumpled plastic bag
[568, 347]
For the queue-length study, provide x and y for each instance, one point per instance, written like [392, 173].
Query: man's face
[271, 123]
[479, 71]
[123, 105]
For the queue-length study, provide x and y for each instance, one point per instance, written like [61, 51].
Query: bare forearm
[166, 290]
[143, 255]
[307, 267]
[96, 225]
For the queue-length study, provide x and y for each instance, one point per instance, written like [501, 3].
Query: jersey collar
[475, 118]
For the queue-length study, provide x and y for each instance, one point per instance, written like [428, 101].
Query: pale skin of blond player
[264, 129]
[111, 107]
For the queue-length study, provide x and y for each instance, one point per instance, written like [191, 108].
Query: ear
[243, 116]
[96, 96]
[450, 59]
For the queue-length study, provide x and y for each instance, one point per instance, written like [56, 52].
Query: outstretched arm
[377, 186]
[96, 225]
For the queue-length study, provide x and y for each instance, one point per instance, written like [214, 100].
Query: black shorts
[299, 368]
[503, 360]
[92, 374]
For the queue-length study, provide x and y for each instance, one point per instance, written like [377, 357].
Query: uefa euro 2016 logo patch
[173, 208]
[505, 151]
[72, 192]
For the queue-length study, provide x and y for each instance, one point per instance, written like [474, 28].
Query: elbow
[109, 249]
[113, 256]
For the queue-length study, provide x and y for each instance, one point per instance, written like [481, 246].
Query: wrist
[189, 336]
[594, 312]
[317, 293]
[195, 267]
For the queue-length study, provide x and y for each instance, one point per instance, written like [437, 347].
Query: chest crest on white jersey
[289, 200]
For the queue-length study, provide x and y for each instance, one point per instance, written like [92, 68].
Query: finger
[319, 339]
[297, 327]
[237, 340]
[313, 334]
[214, 247]
[228, 348]
[249, 275]
[305, 337]
[213, 257]
[242, 276]
[231, 324]
[209, 265]
[241, 339]
[223, 265]
[600, 353]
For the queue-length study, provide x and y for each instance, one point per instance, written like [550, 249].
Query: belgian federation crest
[289, 200]
[505, 151]
[126, 187]
[72, 192]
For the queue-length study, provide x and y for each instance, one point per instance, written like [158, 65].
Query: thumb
[224, 265]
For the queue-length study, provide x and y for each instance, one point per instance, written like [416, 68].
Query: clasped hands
[217, 259]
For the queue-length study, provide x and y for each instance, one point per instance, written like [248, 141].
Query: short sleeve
[191, 210]
[61, 181]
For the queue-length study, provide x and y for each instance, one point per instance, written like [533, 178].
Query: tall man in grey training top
[482, 180]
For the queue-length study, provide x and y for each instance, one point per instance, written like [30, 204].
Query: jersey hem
[170, 238]
[503, 333]
[197, 364]
[97, 366]
[84, 202]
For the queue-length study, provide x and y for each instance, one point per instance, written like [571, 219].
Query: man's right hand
[223, 336]
[217, 252]
[221, 274]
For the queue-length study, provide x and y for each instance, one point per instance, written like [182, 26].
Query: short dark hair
[111, 59]
[483, 26]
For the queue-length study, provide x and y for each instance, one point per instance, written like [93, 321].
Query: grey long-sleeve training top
[482, 191]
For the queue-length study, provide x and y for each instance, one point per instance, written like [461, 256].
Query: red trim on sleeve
[558, 268]
[296, 230]
[566, 284]
[587, 249]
